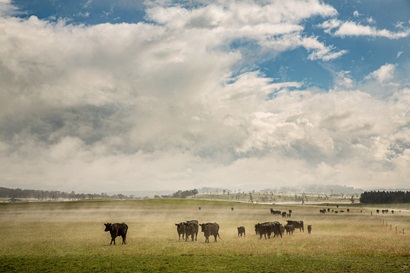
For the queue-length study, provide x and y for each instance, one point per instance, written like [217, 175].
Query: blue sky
[148, 95]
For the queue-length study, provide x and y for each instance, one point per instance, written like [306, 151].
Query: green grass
[70, 237]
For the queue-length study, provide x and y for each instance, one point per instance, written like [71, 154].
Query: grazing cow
[275, 211]
[191, 229]
[181, 230]
[241, 231]
[297, 224]
[117, 229]
[210, 229]
[322, 211]
[289, 229]
[309, 229]
[284, 214]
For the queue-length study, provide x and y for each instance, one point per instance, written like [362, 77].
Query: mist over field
[153, 96]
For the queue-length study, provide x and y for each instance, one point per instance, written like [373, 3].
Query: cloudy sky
[104, 96]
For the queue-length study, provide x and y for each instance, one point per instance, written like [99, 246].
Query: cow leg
[124, 238]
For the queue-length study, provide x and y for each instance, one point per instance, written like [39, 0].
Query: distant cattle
[289, 229]
[297, 224]
[117, 229]
[284, 214]
[322, 211]
[275, 211]
[210, 229]
[191, 229]
[309, 229]
[181, 230]
[241, 231]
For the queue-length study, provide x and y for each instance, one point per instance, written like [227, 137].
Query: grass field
[70, 237]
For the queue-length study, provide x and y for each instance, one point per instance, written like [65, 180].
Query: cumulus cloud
[384, 74]
[166, 104]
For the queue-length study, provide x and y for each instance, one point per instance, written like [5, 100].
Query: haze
[233, 94]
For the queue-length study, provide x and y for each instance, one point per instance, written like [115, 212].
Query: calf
[181, 230]
[289, 229]
[241, 231]
[117, 229]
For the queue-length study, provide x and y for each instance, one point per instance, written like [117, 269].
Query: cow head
[107, 227]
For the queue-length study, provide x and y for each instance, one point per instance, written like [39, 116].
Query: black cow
[275, 211]
[289, 229]
[210, 229]
[241, 231]
[277, 229]
[181, 230]
[309, 229]
[191, 229]
[263, 230]
[117, 229]
[267, 228]
[297, 224]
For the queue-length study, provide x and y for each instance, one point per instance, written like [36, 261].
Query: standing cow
[297, 224]
[191, 229]
[181, 230]
[289, 229]
[241, 231]
[210, 229]
[116, 230]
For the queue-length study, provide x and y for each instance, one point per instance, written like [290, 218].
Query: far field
[70, 237]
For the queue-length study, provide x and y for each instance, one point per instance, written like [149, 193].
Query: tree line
[15, 194]
[385, 197]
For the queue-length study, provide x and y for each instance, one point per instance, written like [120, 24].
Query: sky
[111, 96]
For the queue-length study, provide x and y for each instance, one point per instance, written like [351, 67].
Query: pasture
[70, 237]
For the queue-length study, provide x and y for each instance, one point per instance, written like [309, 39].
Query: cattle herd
[266, 229]
[190, 228]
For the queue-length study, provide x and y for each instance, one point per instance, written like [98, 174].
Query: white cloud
[6, 8]
[339, 28]
[384, 74]
[355, 29]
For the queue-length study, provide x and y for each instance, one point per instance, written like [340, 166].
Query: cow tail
[219, 236]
